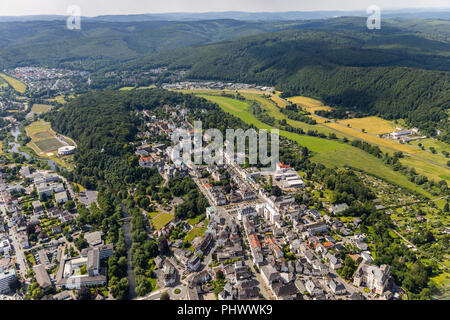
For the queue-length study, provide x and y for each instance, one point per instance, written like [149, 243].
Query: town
[260, 236]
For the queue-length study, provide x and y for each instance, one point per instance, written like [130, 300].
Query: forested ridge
[388, 74]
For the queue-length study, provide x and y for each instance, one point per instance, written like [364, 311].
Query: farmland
[373, 125]
[19, 86]
[41, 108]
[61, 98]
[328, 152]
[426, 163]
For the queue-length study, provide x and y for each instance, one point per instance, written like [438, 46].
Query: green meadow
[328, 152]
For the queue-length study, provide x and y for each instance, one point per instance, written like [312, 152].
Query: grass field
[61, 99]
[3, 83]
[19, 86]
[239, 109]
[328, 152]
[43, 135]
[44, 143]
[195, 232]
[48, 145]
[153, 214]
[431, 165]
[373, 125]
[161, 220]
[430, 142]
[41, 108]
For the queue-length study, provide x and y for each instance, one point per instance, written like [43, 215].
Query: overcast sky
[100, 7]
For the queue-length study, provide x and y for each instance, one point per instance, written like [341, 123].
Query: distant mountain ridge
[425, 13]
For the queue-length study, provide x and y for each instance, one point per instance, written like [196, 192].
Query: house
[41, 276]
[334, 262]
[313, 287]
[194, 263]
[277, 252]
[269, 274]
[338, 208]
[318, 227]
[361, 245]
[228, 292]
[315, 214]
[146, 162]
[247, 211]
[309, 257]
[284, 290]
[94, 238]
[61, 197]
[37, 207]
[169, 274]
[400, 133]
[336, 287]
[357, 222]
[373, 277]
[367, 257]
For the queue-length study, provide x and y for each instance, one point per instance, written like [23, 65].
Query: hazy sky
[100, 7]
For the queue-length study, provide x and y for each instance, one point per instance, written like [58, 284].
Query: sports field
[48, 145]
[41, 108]
[19, 86]
[43, 140]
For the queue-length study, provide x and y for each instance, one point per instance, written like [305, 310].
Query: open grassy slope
[19, 86]
[329, 153]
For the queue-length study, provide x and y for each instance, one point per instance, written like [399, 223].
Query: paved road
[18, 250]
[128, 243]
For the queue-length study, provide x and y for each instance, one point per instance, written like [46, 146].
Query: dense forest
[351, 68]
[104, 124]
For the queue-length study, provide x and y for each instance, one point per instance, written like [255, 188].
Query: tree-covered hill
[101, 43]
[389, 72]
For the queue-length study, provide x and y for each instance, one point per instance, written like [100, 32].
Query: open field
[48, 145]
[373, 125]
[61, 99]
[309, 104]
[19, 86]
[126, 88]
[44, 143]
[431, 165]
[3, 83]
[430, 142]
[161, 220]
[43, 135]
[330, 153]
[239, 109]
[41, 108]
[195, 232]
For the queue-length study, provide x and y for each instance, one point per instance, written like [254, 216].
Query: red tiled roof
[283, 166]
[254, 240]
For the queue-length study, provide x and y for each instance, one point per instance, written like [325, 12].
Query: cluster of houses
[214, 85]
[40, 79]
[405, 135]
